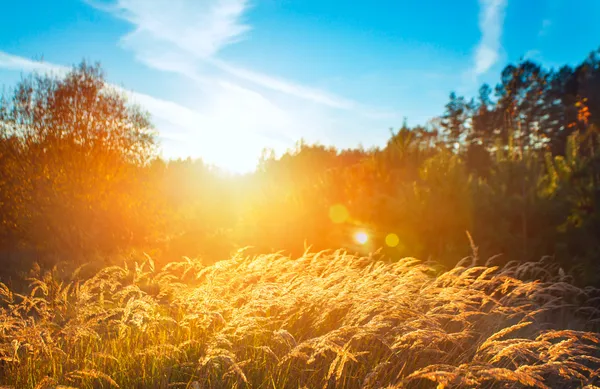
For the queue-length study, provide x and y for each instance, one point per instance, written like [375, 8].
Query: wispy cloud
[13, 62]
[184, 36]
[288, 87]
[491, 20]
[200, 28]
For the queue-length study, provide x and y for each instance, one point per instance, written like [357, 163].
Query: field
[324, 320]
[329, 229]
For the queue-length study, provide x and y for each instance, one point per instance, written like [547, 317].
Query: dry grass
[324, 320]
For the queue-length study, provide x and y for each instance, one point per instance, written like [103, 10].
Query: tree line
[517, 168]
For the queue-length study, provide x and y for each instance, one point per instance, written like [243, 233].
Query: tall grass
[325, 320]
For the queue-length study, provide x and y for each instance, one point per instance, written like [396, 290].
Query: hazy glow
[392, 240]
[338, 213]
[361, 237]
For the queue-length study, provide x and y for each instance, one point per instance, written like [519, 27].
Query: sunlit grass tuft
[318, 321]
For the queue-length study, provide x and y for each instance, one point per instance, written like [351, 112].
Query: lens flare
[392, 240]
[338, 213]
[361, 237]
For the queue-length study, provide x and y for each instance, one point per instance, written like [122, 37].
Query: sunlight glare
[361, 237]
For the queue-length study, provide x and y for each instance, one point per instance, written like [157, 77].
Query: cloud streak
[183, 36]
[491, 20]
[200, 28]
[284, 86]
[13, 62]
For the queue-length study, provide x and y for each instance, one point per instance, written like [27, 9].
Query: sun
[361, 237]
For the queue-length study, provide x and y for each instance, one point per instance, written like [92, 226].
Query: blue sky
[225, 78]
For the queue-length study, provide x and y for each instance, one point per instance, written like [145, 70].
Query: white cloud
[184, 35]
[13, 62]
[491, 20]
[287, 87]
[200, 27]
